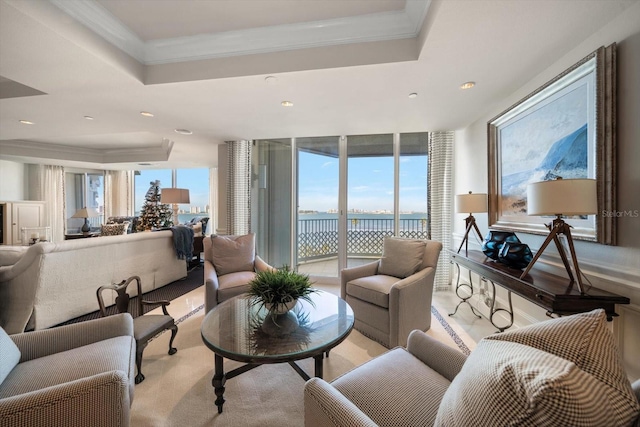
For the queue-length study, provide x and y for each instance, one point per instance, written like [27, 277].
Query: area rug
[177, 390]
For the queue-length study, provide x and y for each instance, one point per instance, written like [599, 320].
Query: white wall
[616, 269]
[12, 180]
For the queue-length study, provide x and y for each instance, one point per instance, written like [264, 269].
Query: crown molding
[365, 28]
[40, 150]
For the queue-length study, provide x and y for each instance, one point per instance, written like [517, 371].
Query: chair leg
[139, 350]
[174, 331]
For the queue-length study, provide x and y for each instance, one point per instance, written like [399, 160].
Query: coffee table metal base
[220, 377]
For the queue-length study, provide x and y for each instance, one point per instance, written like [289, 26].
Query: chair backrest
[123, 298]
[431, 254]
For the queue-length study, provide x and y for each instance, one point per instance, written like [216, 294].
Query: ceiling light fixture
[467, 85]
[413, 95]
[271, 80]
[286, 104]
[26, 122]
[88, 117]
[146, 113]
[183, 131]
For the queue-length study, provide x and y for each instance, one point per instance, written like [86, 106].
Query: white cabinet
[18, 215]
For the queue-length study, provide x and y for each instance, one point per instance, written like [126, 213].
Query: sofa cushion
[234, 284]
[103, 356]
[380, 388]
[372, 289]
[9, 355]
[231, 254]
[505, 383]
[401, 257]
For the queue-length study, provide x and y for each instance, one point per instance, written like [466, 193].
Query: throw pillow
[231, 254]
[401, 257]
[506, 383]
[113, 229]
[585, 340]
[9, 355]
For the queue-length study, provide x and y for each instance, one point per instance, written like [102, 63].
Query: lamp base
[558, 226]
[176, 220]
[85, 227]
[470, 222]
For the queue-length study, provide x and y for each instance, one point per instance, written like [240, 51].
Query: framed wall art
[566, 128]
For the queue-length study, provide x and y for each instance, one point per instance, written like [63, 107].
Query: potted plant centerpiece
[278, 290]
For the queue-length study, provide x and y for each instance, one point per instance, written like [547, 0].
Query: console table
[554, 293]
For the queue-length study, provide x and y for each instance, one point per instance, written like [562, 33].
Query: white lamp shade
[175, 195]
[562, 197]
[471, 202]
[85, 213]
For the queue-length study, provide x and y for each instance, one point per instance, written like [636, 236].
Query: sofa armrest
[44, 342]
[325, 406]
[261, 265]
[211, 286]
[352, 273]
[445, 360]
[84, 402]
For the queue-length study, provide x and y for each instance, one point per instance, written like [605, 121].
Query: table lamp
[85, 213]
[175, 196]
[469, 203]
[561, 197]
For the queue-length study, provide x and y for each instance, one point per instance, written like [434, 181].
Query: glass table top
[246, 332]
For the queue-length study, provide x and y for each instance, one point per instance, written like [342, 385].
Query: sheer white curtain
[118, 193]
[440, 200]
[49, 187]
[239, 187]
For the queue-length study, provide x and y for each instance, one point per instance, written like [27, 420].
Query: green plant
[275, 288]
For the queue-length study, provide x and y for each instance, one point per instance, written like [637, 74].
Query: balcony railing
[318, 238]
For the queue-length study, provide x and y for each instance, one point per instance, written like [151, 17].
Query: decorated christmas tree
[154, 214]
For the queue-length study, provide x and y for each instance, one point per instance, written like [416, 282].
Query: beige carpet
[177, 390]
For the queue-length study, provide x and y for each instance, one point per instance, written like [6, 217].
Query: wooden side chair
[145, 326]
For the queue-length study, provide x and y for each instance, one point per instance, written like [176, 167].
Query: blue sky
[370, 183]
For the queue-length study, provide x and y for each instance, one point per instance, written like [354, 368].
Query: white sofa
[50, 283]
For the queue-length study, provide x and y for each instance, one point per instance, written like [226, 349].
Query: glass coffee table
[243, 332]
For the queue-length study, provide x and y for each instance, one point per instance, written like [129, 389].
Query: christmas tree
[154, 214]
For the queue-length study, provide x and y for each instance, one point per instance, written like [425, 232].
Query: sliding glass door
[326, 203]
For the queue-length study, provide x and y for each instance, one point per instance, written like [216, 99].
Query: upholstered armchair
[561, 372]
[392, 296]
[230, 263]
[80, 374]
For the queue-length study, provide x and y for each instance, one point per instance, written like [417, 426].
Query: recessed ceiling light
[467, 85]
[145, 164]
[26, 122]
[286, 104]
[413, 95]
[88, 117]
[146, 113]
[183, 131]
[271, 80]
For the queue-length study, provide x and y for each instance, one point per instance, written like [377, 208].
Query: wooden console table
[554, 293]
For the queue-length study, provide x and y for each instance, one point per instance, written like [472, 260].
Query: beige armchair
[80, 374]
[230, 263]
[561, 372]
[392, 296]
